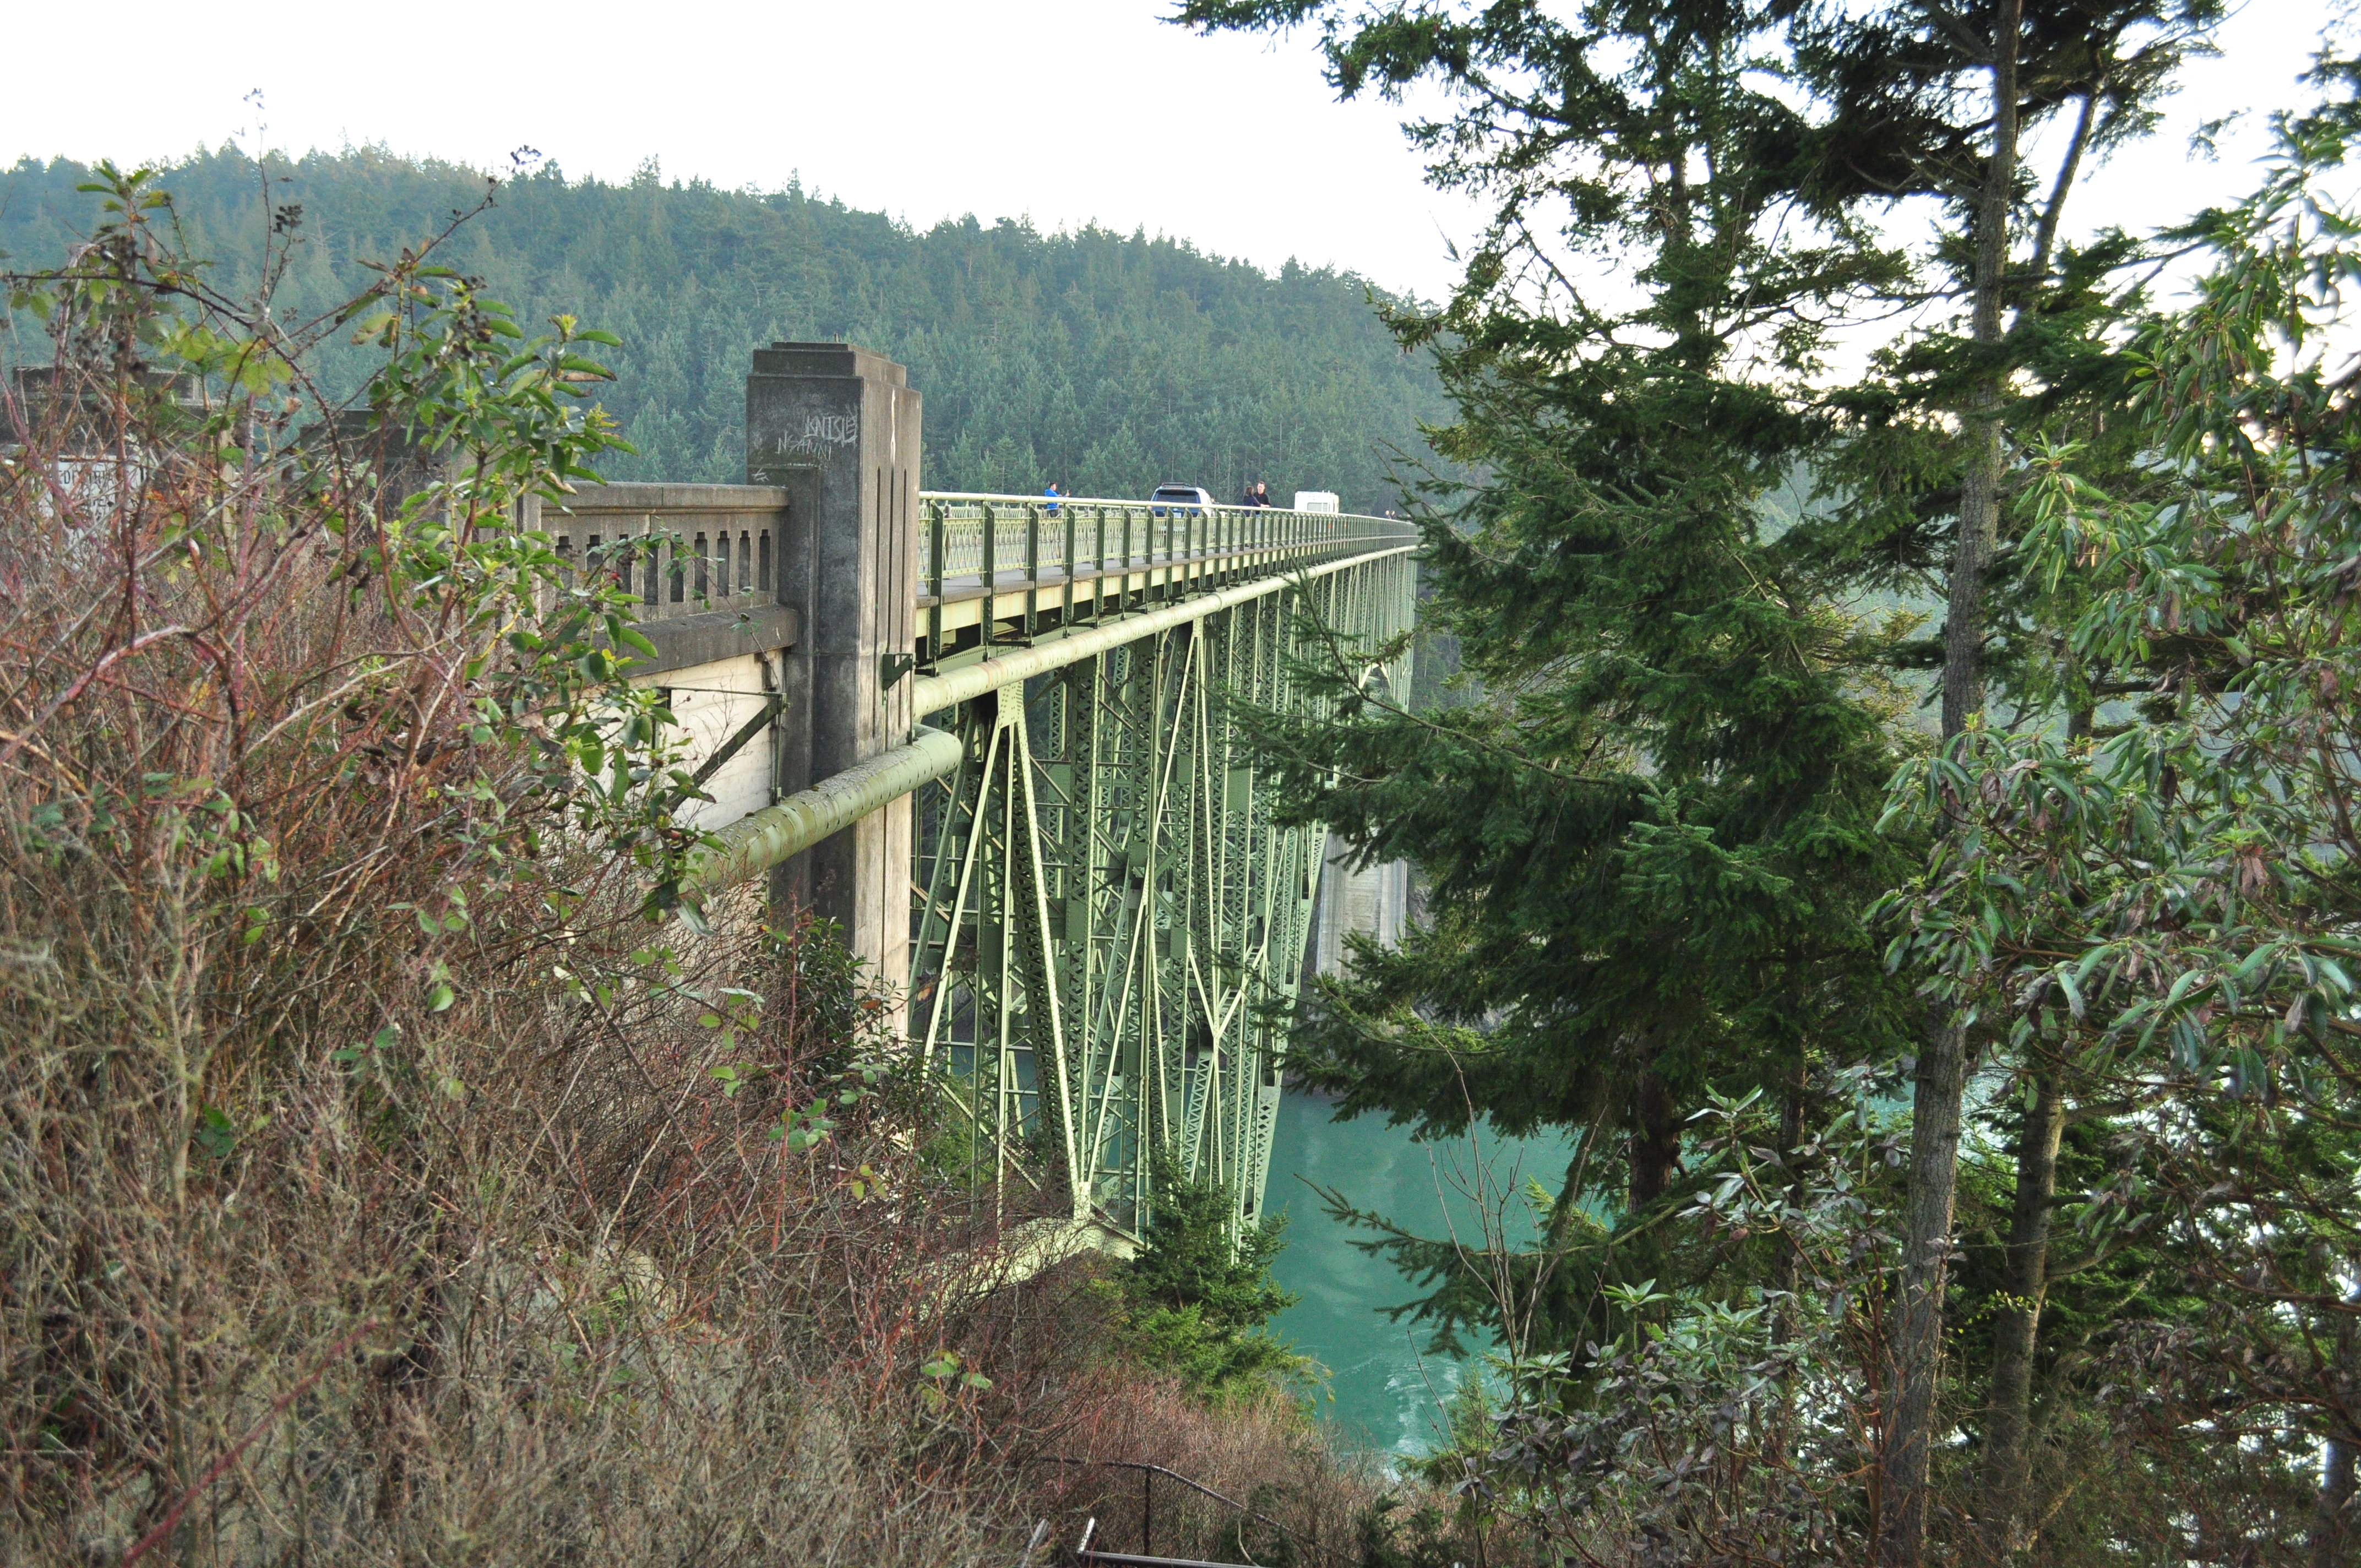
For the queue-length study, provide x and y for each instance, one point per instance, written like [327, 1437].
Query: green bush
[1200, 1297]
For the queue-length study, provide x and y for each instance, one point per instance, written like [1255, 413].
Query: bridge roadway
[993, 738]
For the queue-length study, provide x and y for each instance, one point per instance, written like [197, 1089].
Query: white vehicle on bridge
[1191, 500]
[1318, 500]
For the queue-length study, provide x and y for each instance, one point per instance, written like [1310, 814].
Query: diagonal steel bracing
[1109, 926]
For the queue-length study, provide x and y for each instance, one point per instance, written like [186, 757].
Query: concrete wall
[838, 428]
[713, 701]
[800, 583]
[718, 645]
[1371, 902]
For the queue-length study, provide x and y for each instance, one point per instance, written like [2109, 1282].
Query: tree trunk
[1926, 1260]
[1788, 1270]
[1656, 1139]
[2017, 1328]
[2332, 1537]
[1787, 1273]
[1963, 621]
[1942, 1070]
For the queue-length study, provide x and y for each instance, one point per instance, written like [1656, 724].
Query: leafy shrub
[1200, 1300]
[379, 1182]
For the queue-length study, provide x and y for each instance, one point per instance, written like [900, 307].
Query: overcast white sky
[1067, 111]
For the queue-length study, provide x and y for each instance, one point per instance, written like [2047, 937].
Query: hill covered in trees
[1104, 362]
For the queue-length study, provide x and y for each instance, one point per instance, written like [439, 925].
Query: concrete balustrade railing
[681, 549]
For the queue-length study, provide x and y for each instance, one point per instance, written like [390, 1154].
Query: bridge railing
[682, 549]
[976, 551]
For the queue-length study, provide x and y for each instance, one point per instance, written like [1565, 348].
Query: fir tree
[1108, 363]
[1648, 843]
[1200, 1292]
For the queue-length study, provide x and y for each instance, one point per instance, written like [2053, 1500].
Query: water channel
[1383, 1392]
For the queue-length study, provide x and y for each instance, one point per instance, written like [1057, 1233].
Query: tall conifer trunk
[1919, 1344]
[2332, 1539]
[1788, 1272]
[2017, 1329]
[1942, 1070]
[1656, 1139]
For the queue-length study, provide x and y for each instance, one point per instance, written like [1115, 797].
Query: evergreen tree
[1940, 102]
[1681, 188]
[1199, 1299]
[2160, 898]
[1648, 846]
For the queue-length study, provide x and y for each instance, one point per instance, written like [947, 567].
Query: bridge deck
[1011, 558]
[965, 601]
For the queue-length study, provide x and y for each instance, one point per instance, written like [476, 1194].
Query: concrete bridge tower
[838, 428]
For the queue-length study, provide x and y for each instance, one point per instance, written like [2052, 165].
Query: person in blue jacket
[1052, 493]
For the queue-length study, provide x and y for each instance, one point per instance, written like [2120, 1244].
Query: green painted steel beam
[756, 842]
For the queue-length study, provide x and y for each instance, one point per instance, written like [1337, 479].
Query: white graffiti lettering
[836, 430]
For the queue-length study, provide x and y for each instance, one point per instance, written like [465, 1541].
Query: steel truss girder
[1108, 927]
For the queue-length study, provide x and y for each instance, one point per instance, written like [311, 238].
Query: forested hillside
[1103, 362]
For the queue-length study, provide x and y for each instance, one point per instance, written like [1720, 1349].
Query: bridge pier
[838, 429]
[1367, 901]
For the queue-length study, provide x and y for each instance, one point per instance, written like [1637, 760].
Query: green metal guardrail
[1029, 559]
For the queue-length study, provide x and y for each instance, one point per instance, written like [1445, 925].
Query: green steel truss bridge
[991, 737]
[1104, 908]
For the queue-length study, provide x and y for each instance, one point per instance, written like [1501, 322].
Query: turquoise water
[1384, 1392]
